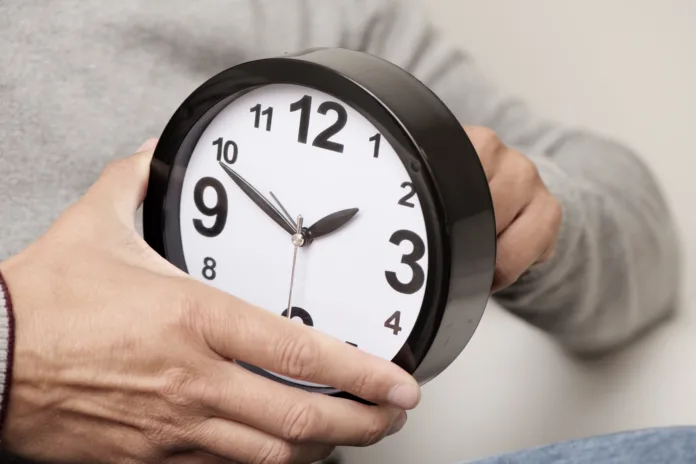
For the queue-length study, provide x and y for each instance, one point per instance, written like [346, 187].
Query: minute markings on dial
[261, 201]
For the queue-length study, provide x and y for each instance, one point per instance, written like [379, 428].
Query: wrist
[6, 348]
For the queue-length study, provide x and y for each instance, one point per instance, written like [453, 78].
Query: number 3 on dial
[411, 260]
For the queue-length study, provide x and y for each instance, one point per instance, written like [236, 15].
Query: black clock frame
[445, 170]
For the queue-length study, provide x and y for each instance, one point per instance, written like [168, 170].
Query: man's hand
[527, 215]
[121, 357]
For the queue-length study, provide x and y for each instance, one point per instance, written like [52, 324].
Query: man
[112, 355]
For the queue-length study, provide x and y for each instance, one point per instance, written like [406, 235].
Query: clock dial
[363, 282]
[396, 251]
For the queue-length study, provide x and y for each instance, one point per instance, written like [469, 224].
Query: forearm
[616, 271]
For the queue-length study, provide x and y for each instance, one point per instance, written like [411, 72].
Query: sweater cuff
[6, 348]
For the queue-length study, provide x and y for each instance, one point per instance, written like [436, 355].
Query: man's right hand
[121, 357]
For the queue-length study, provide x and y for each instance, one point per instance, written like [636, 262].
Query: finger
[241, 443]
[237, 330]
[123, 183]
[293, 414]
[488, 146]
[553, 215]
[527, 240]
[148, 145]
[512, 187]
[197, 458]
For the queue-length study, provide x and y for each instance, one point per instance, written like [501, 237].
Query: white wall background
[626, 68]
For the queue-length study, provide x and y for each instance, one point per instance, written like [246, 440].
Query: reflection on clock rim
[312, 387]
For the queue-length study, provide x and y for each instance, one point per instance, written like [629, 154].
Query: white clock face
[363, 283]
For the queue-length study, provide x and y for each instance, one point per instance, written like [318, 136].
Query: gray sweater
[84, 81]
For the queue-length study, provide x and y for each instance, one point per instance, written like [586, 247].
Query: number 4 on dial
[394, 322]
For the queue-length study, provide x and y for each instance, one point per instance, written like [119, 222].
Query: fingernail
[149, 144]
[398, 423]
[405, 396]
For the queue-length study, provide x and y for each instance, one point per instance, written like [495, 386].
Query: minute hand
[331, 223]
[260, 200]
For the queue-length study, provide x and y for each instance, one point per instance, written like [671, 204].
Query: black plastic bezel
[443, 165]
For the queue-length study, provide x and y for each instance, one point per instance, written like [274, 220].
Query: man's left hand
[527, 215]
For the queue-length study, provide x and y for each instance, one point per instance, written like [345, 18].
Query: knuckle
[299, 422]
[374, 432]
[505, 275]
[485, 138]
[298, 357]
[179, 393]
[548, 213]
[178, 387]
[161, 435]
[142, 451]
[554, 218]
[274, 451]
[164, 429]
[556, 213]
[185, 306]
[361, 384]
[527, 170]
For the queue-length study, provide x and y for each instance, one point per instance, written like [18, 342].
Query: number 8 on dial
[334, 189]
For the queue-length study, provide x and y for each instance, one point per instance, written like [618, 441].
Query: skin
[122, 358]
[527, 215]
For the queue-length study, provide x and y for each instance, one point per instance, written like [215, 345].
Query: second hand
[297, 241]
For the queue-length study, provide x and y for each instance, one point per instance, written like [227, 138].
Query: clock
[333, 188]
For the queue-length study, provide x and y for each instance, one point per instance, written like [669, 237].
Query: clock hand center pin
[297, 241]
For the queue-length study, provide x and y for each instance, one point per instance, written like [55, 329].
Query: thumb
[123, 183]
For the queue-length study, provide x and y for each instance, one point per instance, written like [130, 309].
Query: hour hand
[331, 223]
[259, 199]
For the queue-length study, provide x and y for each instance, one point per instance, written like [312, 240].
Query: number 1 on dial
[377, 139]
[304, 106]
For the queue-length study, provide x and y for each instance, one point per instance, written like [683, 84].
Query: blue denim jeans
[675, 445]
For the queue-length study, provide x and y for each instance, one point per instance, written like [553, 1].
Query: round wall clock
[333, 188]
